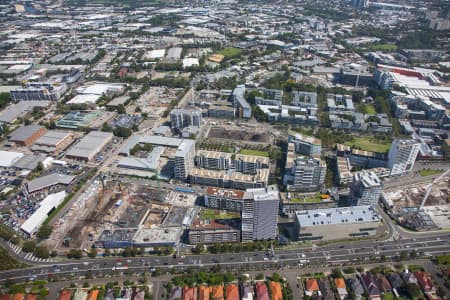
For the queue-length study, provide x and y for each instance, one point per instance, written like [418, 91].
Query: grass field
[370, 109]
[369, 143]
[212, 214]
[429, 172]
[383, 47]
[254, 152]
[230, 52]
[7, 262]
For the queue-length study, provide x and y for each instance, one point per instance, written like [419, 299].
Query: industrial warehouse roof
[150, 139]
[40, 215]
[148, 163]
[52, 137]
[48, 181]
[29, 162]
[14, 111]
[24, 132]
[336, 216]
[8, 158]
[90, 144]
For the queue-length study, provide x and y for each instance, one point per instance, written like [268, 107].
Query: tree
[92, 253]
[75, 253]
[259, 115]
[41, 252]
[28, 246]
[44, 231]
[121, 109]
[122, 132]
[229, 277]
[413, 290]
[106, 127]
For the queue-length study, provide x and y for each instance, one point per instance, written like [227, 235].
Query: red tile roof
[65, 295]
[312, 285]
[232, 292]
[189, 293]
[261, 291]
[275, 289]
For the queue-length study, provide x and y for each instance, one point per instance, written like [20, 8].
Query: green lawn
[254, 152]
[388, 296]
[429, 172]
[383, 47]
[370, 109]
[369, 143]
[230, 52]
[212, 214]
[7, 262]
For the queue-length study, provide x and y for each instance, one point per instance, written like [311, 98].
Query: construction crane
[101, 193]
[429, 187]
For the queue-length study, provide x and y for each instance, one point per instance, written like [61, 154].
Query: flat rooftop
[337, 216]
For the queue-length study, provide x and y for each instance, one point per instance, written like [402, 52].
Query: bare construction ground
[412, 197]
[238, 134]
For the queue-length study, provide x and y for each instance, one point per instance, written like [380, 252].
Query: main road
[329, 255]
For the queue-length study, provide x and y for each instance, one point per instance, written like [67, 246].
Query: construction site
[110, 214]
[240, 133]
[422, 206]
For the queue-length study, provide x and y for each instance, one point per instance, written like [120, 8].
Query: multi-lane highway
[335, 254]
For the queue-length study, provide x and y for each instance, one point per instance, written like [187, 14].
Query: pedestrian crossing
[27, 256]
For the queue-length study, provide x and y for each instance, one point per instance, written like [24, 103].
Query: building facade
[260, 214]
[365, 189]
[181, 118]
[402, 156]
[39, 91]
[307, 174]
[184, 159]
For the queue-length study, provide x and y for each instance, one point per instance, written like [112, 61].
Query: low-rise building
[27, 135]
[214, 231]
[43, 91]
[53, 142]
[46, 206]
[90, 145]
[336, 223]
[305, 145]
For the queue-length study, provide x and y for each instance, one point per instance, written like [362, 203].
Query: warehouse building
[48, 181]
[90, 145]
[50, 203]
[9, 158]
[27, 135]
[336, 223]
[53, 142]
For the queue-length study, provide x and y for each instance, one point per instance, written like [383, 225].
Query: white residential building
[402, 156]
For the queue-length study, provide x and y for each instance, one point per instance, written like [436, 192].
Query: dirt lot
[251, 135]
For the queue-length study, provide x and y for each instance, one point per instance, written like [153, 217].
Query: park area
[369, 143]
[230, 52]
